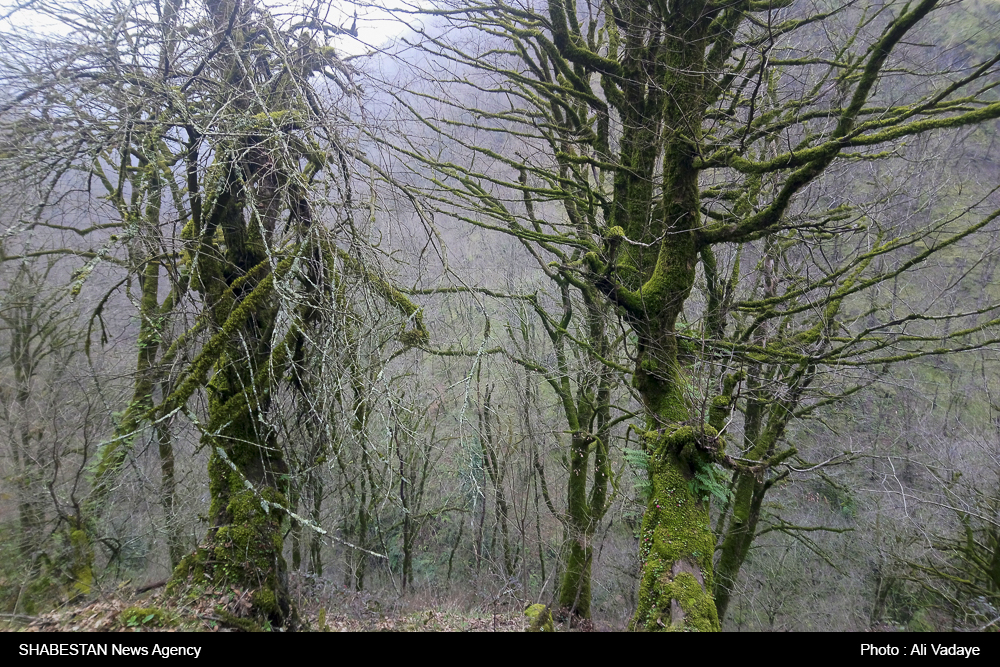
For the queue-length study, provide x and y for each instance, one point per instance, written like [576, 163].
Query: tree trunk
[247, 472]
[574, 591]
[245, 479]
[168, 493]
[315, 540]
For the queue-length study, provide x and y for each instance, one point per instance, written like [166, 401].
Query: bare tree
[214, 140]
[41, 338]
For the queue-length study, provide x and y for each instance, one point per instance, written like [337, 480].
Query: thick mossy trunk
[246, 469]
[244, 544]
[574, 590]
[246, 540]
[676, 543]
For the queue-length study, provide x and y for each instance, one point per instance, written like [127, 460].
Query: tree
[563, 341]
[217, 169]
[36, 329]
[41, 416]
[643, 149]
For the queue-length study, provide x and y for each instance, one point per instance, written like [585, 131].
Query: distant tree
[564, 342]
[39, 339]
[950, 486]
[684, 162]
[962, 570]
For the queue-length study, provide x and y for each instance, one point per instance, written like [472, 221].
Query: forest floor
[125, 610]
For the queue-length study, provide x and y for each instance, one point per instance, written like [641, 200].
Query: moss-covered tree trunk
[247, 472]
[247, 478]
[574, 589]
[677, 541]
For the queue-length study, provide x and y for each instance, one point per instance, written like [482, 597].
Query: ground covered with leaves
[126, 610]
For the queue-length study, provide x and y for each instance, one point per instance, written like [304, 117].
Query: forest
[679, 315]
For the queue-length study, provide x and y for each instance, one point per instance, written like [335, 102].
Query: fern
[710, 482]
[638, 460]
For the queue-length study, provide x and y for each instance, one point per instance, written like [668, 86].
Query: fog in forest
[500, 316]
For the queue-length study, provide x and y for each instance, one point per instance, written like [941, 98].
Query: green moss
[675, 540]
[674, 440]
[244, 624]
[81, 566]
[416, 336]
[594, 262]
[321, 621]
[134, 617]
[265, 600]
[189, 569]
[575, 589]
[271, 120]
[539, 618]
[699, 608]
[245, 548]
